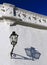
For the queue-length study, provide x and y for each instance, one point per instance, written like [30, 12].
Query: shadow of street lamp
[32, 53]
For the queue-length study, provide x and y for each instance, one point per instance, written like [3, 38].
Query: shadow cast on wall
[17, 56]
[32, 54]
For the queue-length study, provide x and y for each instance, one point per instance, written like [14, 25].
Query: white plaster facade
[32, 30]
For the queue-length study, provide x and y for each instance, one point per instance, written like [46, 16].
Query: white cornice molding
[8, 4]
[18, 16]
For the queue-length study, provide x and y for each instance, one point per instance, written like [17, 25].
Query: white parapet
[21, 16]
[6, 9]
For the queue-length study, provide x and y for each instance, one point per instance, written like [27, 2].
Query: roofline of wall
[20, 22]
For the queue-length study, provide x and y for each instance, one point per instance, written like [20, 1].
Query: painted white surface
[4, 44]
[28, 37]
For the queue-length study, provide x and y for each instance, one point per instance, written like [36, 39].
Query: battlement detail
[10, 12]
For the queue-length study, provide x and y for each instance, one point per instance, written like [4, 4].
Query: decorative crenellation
[11, 11]
[7, 9]
[31, 17]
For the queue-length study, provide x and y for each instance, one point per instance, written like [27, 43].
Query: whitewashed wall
[4, 44]
[28, 37]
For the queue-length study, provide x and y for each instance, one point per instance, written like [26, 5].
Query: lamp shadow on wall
[19, 57]
[31, 53]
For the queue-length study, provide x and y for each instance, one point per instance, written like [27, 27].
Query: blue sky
[38, 6]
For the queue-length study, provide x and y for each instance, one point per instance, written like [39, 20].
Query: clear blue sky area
[38, 6]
